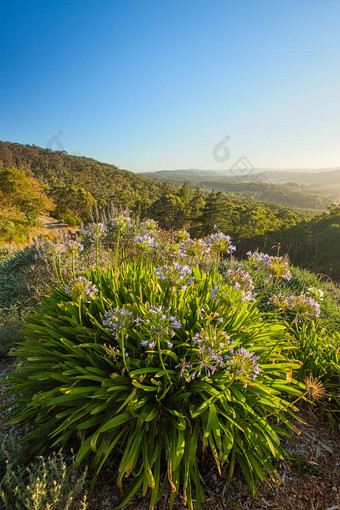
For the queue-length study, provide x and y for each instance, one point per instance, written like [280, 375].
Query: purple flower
[220, 243]
[145, 242]
[96, 230]
[117, 321]
[82, 288]
[176, 275]
[73, 248]
[120, 223]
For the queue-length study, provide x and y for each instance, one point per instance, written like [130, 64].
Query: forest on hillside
[257, 185]
[74, 188]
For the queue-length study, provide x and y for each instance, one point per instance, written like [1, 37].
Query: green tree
[24, 193]
[73, 200]
[217, 211]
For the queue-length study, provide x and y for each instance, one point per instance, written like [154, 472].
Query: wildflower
[304, 306]
[96, 230]
[220, 243]
[315, 388]
[82, 288]
[52, 250]
[145, 242]
[120, 223]
[149, 226]
[315, 293]
[241, 280]
[272, 266]
[73, 248]
[243, 364]
[117, 321]
[176, 275]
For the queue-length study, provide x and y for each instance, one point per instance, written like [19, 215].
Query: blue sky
[150, 85]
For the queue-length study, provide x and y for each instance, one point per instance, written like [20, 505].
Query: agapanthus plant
[220, 243]
[54, 251]
[270, 265]
[181, 236]
[302, 306]
[195, 249]
[96, 231]
[315, 293]
[145, 243]
[241, 281]
[72, 250]
[81, 288]
[149, 226]
[122, 223]
[176, 275]
[112, 377]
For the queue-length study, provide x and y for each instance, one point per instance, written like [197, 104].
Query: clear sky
[150, 85]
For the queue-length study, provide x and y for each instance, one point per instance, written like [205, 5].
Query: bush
[150, 369]
[316, 343]
[45, 484]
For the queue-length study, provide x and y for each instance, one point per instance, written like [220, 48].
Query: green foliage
[73, 202]
[23, 193]
[24, 280]
[45, 484]
[316, 343]
[136, 394]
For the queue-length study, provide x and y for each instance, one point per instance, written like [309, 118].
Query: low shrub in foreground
[46, 484]
[149, 369]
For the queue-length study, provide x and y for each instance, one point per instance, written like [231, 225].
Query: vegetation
[168, 351]
[42, 485]
[257, 186]
[85, 189]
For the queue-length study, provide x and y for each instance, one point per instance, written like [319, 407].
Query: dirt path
[55, 227]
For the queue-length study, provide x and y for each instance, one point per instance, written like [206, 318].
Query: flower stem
[117, 246]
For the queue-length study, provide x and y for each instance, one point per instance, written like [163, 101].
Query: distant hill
[315, 189]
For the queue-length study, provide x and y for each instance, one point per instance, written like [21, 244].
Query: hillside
[85, 189]
[310, 189]
[58, 169]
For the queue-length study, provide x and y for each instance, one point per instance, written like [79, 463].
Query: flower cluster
[159, 326]
[272, 266]
[117, 321]
[211, 347]
[241, 280]
[145, 242]
[278, 301]
[220, 243]
[120, 223]
[195, 249]
[73, 248]
[96, 230]
[82, 288]
[52, 250]
[303, 306]
[243, 364]
[176, 275]
[149, 226]
[315, 293]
